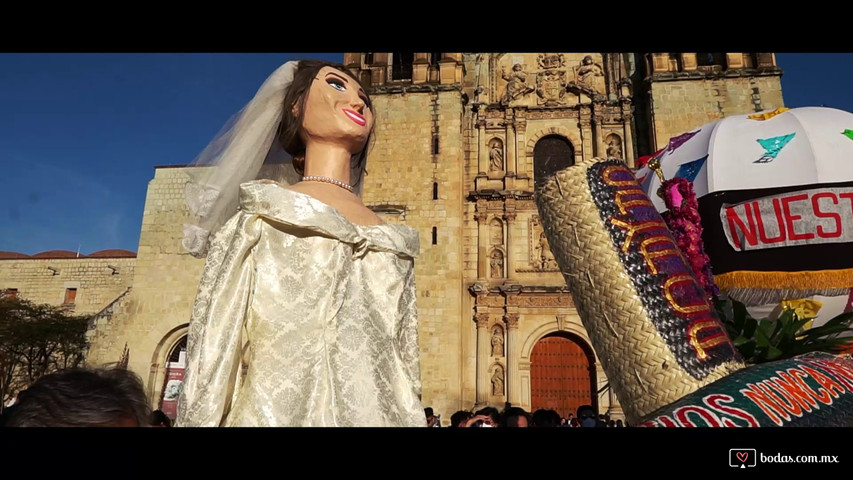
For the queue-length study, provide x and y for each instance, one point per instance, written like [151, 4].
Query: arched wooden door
[174, 379]
[562, 375]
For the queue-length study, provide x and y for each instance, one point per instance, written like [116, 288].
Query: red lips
[355, 117]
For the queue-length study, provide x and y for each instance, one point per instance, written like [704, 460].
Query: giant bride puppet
[305, 314]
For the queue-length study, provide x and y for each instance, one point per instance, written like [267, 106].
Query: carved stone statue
[497, 342]
[546, 258]
[614, 147]
[588, 70]
[497, 264]
[516, 83]
[496, 157]
[498, 380]
[537, 249]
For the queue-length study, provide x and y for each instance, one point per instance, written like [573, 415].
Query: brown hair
[289, 130]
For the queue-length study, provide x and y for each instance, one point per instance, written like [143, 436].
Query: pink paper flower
[684, 222]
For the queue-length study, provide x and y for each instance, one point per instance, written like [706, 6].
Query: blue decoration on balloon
[772, 146]
[689, 170]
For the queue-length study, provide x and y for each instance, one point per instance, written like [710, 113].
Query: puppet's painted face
[337, 111]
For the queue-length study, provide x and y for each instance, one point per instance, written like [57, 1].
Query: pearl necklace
[318, 178]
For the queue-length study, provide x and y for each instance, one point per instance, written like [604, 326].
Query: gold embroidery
[682, 278]
[648, 256]
[625, 205]
[633, 228]
[706, 343]
[607, 172]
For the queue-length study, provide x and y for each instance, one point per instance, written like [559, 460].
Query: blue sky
[80, 134]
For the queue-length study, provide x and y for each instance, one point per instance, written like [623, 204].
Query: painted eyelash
[334, 81]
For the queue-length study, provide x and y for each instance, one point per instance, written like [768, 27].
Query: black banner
[724, 258]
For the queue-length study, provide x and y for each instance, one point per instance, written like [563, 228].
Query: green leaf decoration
[765, 340]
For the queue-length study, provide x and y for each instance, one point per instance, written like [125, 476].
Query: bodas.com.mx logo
[742, 457]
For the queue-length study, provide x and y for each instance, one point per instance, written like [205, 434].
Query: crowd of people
[115, 397]
[518, 417]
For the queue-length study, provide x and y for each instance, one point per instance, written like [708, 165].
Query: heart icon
[742, 456]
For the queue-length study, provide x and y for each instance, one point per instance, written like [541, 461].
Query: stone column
[511, 167]
[380, 73]
[688, 62]
[512, 358]
[420, 68]
[482, 239]
[584, 120]
[598, 148]
[520, 156]
[482, 151]
[509, 219]
[352, 60]
[483, 350]
[628, 151]
[660, 62]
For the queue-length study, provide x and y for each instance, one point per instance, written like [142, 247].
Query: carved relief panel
[540, 257]
[546, 79]
[541, 300]
[551, 79]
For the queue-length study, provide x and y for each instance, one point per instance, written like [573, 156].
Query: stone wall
[680, 106]
[154, 315]
[97, 284]
[401, 172]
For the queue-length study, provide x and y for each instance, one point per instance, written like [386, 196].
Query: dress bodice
[321, 311]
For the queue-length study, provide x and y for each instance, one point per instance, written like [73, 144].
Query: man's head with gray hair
[81, 398]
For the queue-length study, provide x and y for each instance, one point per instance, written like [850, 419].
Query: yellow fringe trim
[768, 115]
[822, 279]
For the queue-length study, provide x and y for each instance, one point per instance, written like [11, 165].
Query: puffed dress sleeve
[217, 329]
[408, 334]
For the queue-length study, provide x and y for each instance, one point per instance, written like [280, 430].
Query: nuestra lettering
[805, 217]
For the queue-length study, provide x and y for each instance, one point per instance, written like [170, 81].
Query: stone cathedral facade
[461, 141]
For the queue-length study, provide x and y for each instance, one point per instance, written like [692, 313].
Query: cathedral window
[709, 60]
[550, 155]
[401, 65]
